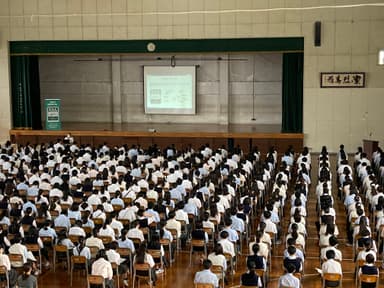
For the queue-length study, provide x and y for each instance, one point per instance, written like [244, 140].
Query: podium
[369, 146]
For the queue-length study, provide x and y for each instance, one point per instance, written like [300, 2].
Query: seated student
[250, 278]
[369, 268]
[155, 244]
[329, 232]
[258, 260]
[288, 279]
[199, 234]
[331, 266]
[217, 257]
[114, 257]
[206, 276]
[368, 248]
[81, 250]
[263, 247]
[298, 254]
[142, 257]
[293, 259]
[228, 246]
[102, 267]
[26, 280]
[333, 243]
[207, 223]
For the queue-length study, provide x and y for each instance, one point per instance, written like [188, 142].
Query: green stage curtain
[292, 93]
[25, 92]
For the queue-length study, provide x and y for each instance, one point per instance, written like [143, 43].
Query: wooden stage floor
[164, 134]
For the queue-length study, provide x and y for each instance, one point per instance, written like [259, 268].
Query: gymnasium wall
[227, 92]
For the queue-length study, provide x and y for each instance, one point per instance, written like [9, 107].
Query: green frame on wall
[283, 44]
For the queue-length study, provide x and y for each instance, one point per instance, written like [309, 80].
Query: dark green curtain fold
[25, 85]
[292, 121]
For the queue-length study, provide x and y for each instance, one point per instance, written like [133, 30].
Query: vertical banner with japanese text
[52, 111]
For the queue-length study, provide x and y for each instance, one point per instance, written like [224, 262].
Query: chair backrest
[164, 241]
[124, 252]
[260, 272]
[87, 229]
[47, 240]
[105, 239]
[60, 228]
[365, 278]
[227, 256]
[173, 232]
[204, 285]
[16, 260]
[96, 280]
[218, 270]
[3, 270]
[116, 207]
[142, 267]
[208, 230]
[98, 221]
[197, 243]
[94, 250]
[332, 276]
[74, 238]
[33, 247]
[61, 248]
[78, 259]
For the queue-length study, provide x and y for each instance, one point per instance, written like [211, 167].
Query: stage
[182, 135]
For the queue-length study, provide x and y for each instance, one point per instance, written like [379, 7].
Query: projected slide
[169, 90]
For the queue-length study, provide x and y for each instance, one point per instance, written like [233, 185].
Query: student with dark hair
[26, 280]
[142, 257]
[250, 278]
[369, 268]
[288, 279]
[114, 257]
[292, 259]
[206, 276]
[258, 260]
[333, 243]
[331, 266]
[102, 267]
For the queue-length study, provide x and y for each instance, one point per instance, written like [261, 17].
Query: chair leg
[54, 261]
[190, 257]
[72, 275]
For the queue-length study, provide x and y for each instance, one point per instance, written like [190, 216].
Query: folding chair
[219, 271]
[35, 248]
[115, 268]
[143, 268]
[127, 254]
[156, 255]
[175, 238]
[16, 261]
[78, 261]
[204, 285]
[197, 243]
[229, 259]
[62, 249]
[167, 245]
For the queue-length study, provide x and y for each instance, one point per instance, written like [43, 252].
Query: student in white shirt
[102, 267]
[114, 257]
[143, 257]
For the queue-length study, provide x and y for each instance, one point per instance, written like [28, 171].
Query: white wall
[351, 38]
